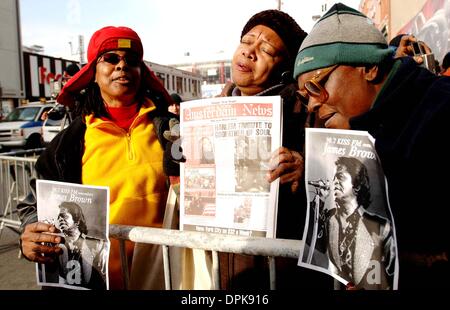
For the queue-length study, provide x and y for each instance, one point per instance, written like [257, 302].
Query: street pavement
[15, 273]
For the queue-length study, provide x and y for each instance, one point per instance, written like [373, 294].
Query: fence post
[166, 262]
[124, 261]
[272, 273]
[216, 270]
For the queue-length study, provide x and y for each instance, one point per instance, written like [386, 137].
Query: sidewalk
[15, 274]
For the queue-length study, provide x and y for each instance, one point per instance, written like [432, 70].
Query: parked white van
[22, 128]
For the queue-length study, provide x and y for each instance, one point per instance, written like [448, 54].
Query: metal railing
[15, 175]
[207, 241]
[16, 172]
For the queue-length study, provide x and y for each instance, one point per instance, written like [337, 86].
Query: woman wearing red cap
[116, 142]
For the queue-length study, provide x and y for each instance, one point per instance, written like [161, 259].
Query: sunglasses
[113, 58]
[313, 86]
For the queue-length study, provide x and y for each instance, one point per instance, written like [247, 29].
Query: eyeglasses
[113, 58]
[313, 88]
[302, 97]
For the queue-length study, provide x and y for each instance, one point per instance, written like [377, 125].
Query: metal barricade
[172, 240]
[16, 170]
[212, 242]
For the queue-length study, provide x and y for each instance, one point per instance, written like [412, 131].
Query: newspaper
[81, 215]
[349, 232]
[228, 144]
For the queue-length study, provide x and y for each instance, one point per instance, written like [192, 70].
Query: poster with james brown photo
[80, 214]
[349, 231]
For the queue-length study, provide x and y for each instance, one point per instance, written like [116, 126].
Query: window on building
[168, 82]
[161, 77]
[179, 88]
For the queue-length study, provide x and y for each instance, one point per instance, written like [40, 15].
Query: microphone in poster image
[320, 184]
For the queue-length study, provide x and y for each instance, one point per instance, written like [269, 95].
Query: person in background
[351, 81]
[446, 65]
[117, 141]
[175, 106]
[57, 85]
[438, 67]
[44, 115]
[403, 48]
[69, 72]
[395, 41]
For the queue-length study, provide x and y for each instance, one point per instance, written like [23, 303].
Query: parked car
[22, 128]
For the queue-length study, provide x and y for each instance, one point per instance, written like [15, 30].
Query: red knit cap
[104, 40]
[113, 38]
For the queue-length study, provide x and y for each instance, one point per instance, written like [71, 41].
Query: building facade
[185, 83]
[214, 74]
[428, 20]
[41, 72]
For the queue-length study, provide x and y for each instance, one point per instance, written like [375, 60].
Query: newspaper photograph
[349, 231]
[80, 214]
[228, 144]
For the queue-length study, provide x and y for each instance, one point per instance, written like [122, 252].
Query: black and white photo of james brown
[357, 245]
[79, 214]
[83, 260]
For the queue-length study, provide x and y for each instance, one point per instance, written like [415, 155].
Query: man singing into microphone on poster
[345, 238]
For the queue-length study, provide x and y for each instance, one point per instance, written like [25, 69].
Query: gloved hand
[174, 130]
[174, 144]
[168, 134]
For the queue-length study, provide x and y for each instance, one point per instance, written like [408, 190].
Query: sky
[168, 28]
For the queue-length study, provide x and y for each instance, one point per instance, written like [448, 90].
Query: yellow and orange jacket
[92, 151]
[130, 164]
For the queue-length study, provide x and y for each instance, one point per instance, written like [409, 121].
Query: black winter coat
[409, 122]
